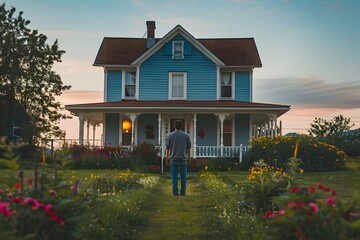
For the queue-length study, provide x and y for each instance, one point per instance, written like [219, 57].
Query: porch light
[126, 125]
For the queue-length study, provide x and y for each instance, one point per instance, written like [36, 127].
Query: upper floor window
[177, 85]
[130, 84]
[226, 85]
[178, 50]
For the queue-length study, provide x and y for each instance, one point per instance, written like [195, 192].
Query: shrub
[314, 155]
[314, 213]
[223, 164]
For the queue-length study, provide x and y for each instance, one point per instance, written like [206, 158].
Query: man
[178, 155]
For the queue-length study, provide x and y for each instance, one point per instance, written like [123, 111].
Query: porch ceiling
[94, 111]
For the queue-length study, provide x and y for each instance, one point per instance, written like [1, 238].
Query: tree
[322, 128]
[27, 77]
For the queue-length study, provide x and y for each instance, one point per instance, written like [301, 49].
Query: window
[177, 85]
[130, 84]
[226, 85]
[178, 50]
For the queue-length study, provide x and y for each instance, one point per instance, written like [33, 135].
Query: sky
[309, 49]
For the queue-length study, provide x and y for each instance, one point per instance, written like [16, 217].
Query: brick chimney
[150, 29]
[150, 41]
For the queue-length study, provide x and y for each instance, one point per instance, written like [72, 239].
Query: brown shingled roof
[233, 52]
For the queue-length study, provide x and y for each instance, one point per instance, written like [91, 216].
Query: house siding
[242, 86]
[207, 122]
[114, 85]
[112, 124]
[154, 73]
[147, 120]
[242, 129]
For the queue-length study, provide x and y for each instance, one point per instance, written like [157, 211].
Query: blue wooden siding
[147, 120]
[114, 85]
[207, 122]
[201, 73]
[112, 123]
[242, 134]
[242, 86]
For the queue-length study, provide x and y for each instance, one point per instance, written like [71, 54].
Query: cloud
[77, 97]
[309, 92]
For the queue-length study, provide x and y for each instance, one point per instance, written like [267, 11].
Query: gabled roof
[131, 51]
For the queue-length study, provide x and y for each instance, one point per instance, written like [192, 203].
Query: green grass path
[176, 217]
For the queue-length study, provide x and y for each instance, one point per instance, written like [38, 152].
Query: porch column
[132, 117]
[195, 133]
[87, 132]
[159, 130]
[221, 118]
[81, 128]
[272, 124]
[94, 128]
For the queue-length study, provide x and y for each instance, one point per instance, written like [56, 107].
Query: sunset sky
[310, 49]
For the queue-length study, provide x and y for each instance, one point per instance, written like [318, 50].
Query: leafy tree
[323, 128]
[27, 77]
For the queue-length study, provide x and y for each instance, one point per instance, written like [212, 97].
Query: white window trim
[232, 86]
[185, 85]
[124, 81]
[182, 49]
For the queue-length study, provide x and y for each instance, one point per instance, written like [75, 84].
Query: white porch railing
[212, 152]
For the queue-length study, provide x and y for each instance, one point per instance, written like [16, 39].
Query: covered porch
[216, 128]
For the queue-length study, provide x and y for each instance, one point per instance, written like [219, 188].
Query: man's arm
[188, 154]
[167, 156]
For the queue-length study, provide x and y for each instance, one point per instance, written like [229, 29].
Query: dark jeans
[175, 168]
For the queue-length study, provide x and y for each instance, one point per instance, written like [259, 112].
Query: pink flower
[282, 212]
[295, 189]
[269, 215]
[52, 192]
[314, 207]
[32, 202]
[311, 189]
[4, 209]
[330, 201]
[73, 188]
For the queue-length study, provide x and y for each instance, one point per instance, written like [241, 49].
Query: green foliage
[223, 164]
[27, 77]
[315, 155]
[322, 128]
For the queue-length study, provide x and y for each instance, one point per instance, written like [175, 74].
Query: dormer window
[178, 50]
[226, 85]
[130, 85]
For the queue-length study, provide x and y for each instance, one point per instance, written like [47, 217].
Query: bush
[314, 155]
[223, 164]
[314, 213]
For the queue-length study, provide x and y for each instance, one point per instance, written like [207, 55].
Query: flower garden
[287, 188]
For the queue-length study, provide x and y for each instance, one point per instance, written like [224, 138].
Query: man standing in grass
[178, 155]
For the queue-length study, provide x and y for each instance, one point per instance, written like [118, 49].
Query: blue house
[207, 83]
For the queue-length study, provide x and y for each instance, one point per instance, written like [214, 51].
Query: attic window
[178, 50]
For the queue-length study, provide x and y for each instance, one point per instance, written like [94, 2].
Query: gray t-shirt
[177, 143]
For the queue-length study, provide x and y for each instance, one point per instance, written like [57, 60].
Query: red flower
[52, 192]
[29, 181]
[32, 202]
[295, 189]
[282, 211]
[269, 215]
[16, 200]
[311, 189]
[320, 186]
[17, 185]
[296, 204]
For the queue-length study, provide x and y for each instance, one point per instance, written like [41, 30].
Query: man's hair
[178, 124]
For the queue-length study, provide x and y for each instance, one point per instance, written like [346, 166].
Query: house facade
[207, 83]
